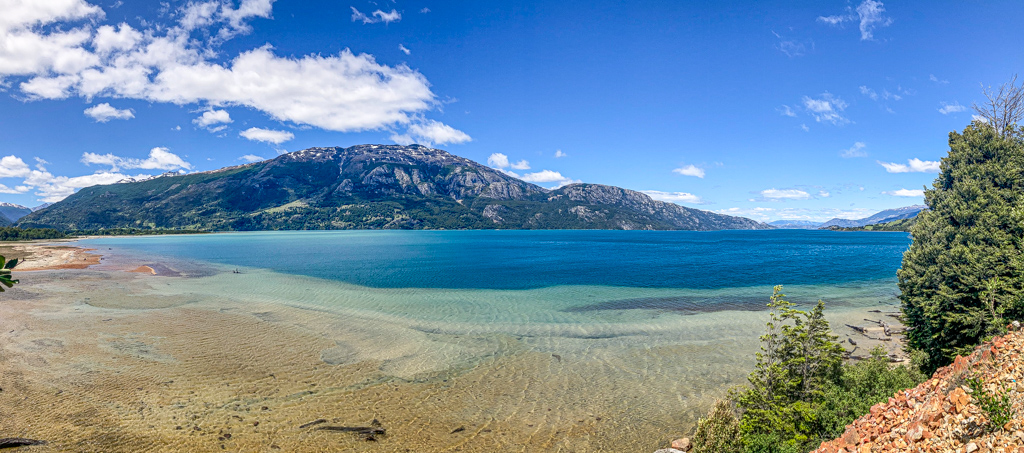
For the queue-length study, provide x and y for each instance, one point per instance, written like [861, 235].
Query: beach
[134, 356]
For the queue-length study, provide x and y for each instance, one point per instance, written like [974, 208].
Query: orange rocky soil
[942, 415]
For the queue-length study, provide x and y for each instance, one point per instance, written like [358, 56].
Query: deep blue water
[535, 259]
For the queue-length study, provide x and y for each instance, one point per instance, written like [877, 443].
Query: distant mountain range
[10, 213]
[366, 186]
[888, 215]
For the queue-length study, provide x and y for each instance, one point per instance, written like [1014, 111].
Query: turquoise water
[518, 260]
[649, 325]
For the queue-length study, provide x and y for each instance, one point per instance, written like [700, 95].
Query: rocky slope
[943, 414]
[366, 186]
[885, 216]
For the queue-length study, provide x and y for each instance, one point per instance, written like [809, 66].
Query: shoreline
[121, 360]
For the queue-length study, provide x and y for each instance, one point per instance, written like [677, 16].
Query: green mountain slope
[366, 186]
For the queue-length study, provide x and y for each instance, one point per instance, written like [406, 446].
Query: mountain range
[366, 186]
[888, 215]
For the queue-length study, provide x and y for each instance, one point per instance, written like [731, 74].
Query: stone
[667, 450]
[972, 447]
[915, 432]
[1015, 325]
[682, 444]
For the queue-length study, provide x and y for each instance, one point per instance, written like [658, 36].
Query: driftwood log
[14, 442]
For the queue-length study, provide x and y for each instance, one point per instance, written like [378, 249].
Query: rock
[682, 444]
[667, 450]
[915, 432]
[972, 447]
[1015, 325]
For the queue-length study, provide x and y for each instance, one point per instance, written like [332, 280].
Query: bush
[719, 432]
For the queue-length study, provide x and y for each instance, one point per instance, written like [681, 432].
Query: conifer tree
[962, 275]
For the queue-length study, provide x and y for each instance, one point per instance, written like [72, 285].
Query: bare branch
[1004, 107]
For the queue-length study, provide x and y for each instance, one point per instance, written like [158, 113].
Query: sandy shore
[102, 359]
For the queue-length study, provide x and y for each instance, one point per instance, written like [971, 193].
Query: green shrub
[719, 432]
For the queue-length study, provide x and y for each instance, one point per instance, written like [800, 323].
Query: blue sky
[771, 110]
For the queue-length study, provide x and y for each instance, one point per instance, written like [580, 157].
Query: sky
[803, 110]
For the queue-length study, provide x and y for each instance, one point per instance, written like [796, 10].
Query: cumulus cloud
[690, 170]
[57, 52]
[404, 49]
[432, 132]
[786, 110]
[521, 165]
[827, 108]
[673, 197]
[914, 165]
[251, 158]
[13, 167]
[376, 16]
[548, 176]
[784, 194]
[267, 135]
[159, 159]
[211, 117]
[498, 160]
[948, 108]
[870, 14]
[559, 154]
[857, 150]
[906, 193]
[105, 112]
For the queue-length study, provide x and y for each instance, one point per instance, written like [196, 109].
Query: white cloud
[498, 160]
[251, 158]
[376, 16]
[559, 154]
[211, 117]
[906, 193]
[13, 167]
[46, 44]
[870, 14]
[869, 93]
[430, 132]
[857, 150]
[673, 197]
[546, 176]
[948, 108]
[937, 80]
[105, 112]
[159, 159]
[267, 135]
[404, 49]
[805, 128]
[786, 110]
[914, 165]
[824, 194]
[521, 165]
[690, 170]
[785, 194]
[425, 10]
[827, 108]
[979, 118]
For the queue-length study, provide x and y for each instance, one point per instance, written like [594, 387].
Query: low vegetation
[29, 234]
[800, 392]
[896, 225]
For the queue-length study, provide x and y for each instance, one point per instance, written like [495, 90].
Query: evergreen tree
[962, 275]
[799, 357]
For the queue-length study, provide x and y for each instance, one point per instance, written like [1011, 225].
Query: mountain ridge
[366, 187]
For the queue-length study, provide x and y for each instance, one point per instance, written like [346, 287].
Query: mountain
[886, 216]
[366, 186]
[12, 212]
[795, 224]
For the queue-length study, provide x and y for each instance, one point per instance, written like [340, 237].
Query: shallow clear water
[641, 330]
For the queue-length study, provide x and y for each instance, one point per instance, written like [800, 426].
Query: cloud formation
[914, 165]
[267, 135]
[690, 170]
[673, 197]
[857, 150]
[211, 117]
[784, 194]
[105, 112]
[54, 50]
[870, 14]
[376, 16]
[827, 108]
[948, 108]
[906, 193]
[159, 159]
